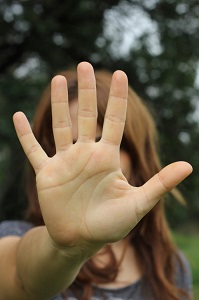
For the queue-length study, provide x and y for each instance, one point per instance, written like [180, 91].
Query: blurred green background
[189, 245]
[155, 42]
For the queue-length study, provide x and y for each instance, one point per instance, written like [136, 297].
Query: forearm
[44, 270]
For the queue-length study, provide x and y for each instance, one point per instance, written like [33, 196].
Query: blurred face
[125, 161]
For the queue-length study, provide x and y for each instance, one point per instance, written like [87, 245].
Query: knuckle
[62, 124]
[32, 149]
[87, 113]
[115, 118]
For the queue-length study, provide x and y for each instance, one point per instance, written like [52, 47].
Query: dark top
[133, 291]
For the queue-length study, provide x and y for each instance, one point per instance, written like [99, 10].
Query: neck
[129, 271]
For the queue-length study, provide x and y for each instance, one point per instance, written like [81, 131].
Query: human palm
[83, 195]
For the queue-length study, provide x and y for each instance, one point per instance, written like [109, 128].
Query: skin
[84, 197]
[125, 161]
[129, 270]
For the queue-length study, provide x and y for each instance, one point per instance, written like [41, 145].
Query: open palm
[83, 195]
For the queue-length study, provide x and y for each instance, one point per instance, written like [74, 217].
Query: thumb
[161, 183]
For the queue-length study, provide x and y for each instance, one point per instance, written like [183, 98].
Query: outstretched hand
[83, 195]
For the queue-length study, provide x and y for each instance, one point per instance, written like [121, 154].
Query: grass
[189, 244]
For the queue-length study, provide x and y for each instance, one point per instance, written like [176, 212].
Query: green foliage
[159, 54]
[189, 245]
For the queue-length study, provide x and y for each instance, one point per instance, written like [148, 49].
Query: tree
[155, 42]
[37, 39]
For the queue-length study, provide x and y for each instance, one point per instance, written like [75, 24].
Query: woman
[92, 237]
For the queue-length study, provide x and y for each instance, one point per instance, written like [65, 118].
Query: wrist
[80, 252]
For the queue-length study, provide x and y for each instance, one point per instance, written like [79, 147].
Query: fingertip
[84, 66]
[86, 76]
[58, 79]
[174, 173]
[21, 123]
[120, 75]
[186, 167]
[18, 116]
[190, 168]
[119, 84]
[14, 117]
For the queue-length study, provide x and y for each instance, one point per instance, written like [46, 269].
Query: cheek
[125, 163]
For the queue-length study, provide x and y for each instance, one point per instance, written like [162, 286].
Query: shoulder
[183, 274]
[17, 228]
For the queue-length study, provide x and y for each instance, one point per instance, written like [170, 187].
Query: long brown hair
[154, 250]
